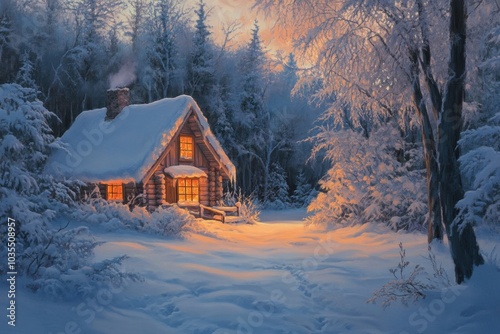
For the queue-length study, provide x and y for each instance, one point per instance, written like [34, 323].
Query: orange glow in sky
[224, 12]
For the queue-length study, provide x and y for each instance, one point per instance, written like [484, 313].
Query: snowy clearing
[271, 277]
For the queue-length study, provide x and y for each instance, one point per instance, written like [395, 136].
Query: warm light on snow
[221, 277]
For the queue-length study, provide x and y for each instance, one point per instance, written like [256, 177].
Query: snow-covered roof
[125, 148]
[184, 171]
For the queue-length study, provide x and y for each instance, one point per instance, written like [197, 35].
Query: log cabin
[163, 151]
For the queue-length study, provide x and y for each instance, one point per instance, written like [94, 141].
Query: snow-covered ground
[271, 277]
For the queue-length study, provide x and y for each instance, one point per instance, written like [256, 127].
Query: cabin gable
[161, 188]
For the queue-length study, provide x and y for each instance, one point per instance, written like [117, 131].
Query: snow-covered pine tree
[201, 63]
[24, 76]
[221, 121]
[278, 196]
[252, 119]
[480, 167]
[304, 192]
[5, 31]
[252, 95]
[25, 141]
[8, 54]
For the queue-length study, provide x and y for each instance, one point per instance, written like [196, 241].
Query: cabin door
[171, 190]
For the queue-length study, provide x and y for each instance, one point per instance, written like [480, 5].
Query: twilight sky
[226, 11]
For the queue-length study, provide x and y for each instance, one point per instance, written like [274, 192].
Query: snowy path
[272, 277]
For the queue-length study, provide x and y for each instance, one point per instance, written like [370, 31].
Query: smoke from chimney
[124, 77]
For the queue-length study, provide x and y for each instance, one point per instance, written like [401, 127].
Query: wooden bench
[222, 213]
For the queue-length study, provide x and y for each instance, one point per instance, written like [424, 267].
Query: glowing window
[115, 192]
[188, 190]
[186, 147]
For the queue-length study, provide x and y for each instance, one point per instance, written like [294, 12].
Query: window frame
[191, 193]
[111, 189]
[191, 138]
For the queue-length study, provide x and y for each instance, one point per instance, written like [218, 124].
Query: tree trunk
[464, 247]
[435, 226]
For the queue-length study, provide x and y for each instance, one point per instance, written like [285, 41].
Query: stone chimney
[118, 98]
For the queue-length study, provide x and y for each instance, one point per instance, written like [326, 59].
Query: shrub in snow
[440, 276]
[480, 168]
[111, 215]
[249, 205]
[168, 221]
[49, 253]
[410, 287]
[83, 282]
[402, 288]
[370, 180]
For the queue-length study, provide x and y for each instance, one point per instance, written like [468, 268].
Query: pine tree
[252, 122]
[278, 187]
[25, 75]
[5, 31]
[221, 121]
[303, 192]
[7, 53]
[252, 104]
[201, 67]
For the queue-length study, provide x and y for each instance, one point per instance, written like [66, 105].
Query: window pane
[188, 190]
[115, 192]
[186, 147]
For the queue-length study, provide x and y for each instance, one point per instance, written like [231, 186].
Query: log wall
[204, 194]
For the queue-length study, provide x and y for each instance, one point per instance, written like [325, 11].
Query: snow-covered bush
[111, 215]
[480, 168]
[168, 221]
[249, 205]
[380, 179]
